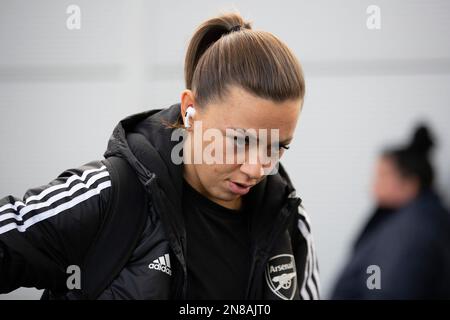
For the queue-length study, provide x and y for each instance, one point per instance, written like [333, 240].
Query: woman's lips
[238, 188]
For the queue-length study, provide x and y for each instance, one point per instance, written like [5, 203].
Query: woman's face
[390, 188]
[225, 181]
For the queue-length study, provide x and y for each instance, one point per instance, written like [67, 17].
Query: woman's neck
[191, 177]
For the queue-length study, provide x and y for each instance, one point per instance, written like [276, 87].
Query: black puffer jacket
[54, 225]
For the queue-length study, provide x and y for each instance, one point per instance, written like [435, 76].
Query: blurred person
[139, 225]
[407, 239]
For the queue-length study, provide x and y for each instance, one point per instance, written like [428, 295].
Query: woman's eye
[281, 147]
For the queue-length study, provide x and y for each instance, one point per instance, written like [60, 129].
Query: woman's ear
[187, 107]
[187, 99]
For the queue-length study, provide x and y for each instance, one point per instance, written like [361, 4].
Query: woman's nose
[253, 171]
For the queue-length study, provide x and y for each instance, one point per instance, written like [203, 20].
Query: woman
[212, 230]
[404, 250]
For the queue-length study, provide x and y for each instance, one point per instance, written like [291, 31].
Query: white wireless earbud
[190, 112]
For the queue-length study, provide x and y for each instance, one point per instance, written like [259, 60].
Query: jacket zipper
[177, 244]
[262, 255]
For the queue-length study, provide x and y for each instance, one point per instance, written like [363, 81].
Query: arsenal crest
[281, 276]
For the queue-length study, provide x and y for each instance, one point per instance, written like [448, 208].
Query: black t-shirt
[218, 254]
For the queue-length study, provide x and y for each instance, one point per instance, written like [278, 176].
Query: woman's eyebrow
[242, 130]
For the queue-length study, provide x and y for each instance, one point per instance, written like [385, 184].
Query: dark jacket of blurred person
[407, 239]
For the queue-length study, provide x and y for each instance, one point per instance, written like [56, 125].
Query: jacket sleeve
[304, 249]
[51, 228]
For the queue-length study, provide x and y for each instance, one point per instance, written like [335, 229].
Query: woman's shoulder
[425, 219]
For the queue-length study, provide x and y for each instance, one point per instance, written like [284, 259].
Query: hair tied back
[422, 141]
[235, 28]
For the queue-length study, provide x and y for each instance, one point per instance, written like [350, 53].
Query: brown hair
[226, 51]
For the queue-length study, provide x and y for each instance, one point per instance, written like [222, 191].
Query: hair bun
[422, 141]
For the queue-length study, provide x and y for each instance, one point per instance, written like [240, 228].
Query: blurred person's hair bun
[422, 141]
[412, 159]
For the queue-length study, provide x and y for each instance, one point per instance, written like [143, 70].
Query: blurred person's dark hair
[413, 160]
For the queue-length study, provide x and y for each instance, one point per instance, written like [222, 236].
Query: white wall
[61, 91]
